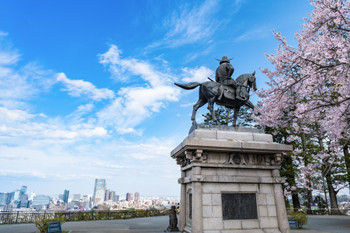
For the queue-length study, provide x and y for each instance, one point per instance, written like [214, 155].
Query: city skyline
[100, 184]
[102, 199]
[87, 92]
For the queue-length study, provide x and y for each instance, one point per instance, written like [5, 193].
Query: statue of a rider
[223, 76]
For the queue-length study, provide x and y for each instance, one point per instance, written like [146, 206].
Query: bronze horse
[210, 92]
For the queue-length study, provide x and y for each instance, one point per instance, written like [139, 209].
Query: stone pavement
[317, 224]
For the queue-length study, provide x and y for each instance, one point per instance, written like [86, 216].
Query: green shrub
[300, 217]
[42, 225]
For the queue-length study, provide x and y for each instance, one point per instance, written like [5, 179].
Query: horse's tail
[188, 86]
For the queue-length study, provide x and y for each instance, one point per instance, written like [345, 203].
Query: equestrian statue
[224, 91]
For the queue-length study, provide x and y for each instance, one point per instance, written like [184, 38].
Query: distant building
[137, 196]
[76, 197]
[129, 196]
[32, 195]
[22, 193]
[107, 194]
[113, 197]
[65, 196]
[41, 202]
[10, 197]
[86, 202]
[24, 204]
[16, 195]
[3, 197]
[99, 191]
[23, 198]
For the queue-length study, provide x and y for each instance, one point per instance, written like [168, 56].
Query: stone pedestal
[230, 182]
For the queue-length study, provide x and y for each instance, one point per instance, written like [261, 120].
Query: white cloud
[129, 131]
[19, 123]
[78, 88]
[110, 165]
[200, 74]
[85, 108]
[19, 84]
[254, 34]
[188, 26]
[3, 33]
[30, 173]
[134, 104]
[7, 115]
[14, 86]
[8, 57]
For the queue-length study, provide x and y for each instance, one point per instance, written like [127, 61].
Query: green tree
[225, 116]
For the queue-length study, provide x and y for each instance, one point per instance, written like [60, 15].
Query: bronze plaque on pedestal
[239, 206]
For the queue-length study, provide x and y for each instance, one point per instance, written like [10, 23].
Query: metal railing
[13, 217]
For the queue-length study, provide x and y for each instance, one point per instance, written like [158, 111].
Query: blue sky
[86, 87]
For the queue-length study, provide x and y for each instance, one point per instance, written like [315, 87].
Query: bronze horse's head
[252, 81]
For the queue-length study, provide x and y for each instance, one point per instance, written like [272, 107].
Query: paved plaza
[317, 224]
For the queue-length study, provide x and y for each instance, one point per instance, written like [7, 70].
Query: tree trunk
[309, 201]
[296, 202]
[325, 196]
[290, 178]
[306, 161]
[347, 161]
[332, 196]
[291, 181]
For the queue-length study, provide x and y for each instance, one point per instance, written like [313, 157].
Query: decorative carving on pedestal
[199, 154]
[252, 159]
[204, 157]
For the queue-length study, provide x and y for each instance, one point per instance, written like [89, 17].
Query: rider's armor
[223, 74]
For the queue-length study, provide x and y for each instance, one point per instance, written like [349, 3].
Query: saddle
[231, 93]
[228, 92]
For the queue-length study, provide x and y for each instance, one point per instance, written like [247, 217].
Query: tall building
[10, 197]
[99, 191]
[22, 192]
[112, 196]
[41, 202]
[107, 194]
[3, 197]
[137, 196]
[65, 196]
[16, 195]
[129, 196]
[23, 197]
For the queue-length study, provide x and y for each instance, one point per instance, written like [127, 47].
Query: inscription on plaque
[239, 206]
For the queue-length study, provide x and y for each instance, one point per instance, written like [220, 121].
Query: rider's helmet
[224, 59]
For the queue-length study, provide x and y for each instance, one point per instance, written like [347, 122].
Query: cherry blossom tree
[313, 79]
[309, 90]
